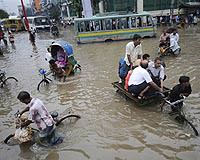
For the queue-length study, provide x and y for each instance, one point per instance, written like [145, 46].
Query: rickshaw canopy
[68, 49]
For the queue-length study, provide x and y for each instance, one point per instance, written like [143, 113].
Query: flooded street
[111, 127]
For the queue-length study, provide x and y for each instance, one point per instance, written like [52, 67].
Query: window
[133, 22]
[122, 23]
[108, 24]
[81, 27]
[97, 25]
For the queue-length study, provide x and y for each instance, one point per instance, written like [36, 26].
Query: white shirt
[138, 76]
[174, 41]
[156, 71]
[133, 52]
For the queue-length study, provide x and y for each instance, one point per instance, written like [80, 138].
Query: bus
[114, 27]
[39, 23]
[13, 24]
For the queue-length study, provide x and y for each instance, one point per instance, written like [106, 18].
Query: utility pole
[171, 10]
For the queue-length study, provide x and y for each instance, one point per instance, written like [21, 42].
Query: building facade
[157, 7]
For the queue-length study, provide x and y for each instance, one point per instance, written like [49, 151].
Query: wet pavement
[111, 127]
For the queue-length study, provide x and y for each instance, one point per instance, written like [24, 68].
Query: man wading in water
[39, 115]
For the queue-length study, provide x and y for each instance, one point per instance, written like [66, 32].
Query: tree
[3, 14]
[54, 12]
[77, 5]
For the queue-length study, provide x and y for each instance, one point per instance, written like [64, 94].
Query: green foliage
[3, 14]
[77, 5]
[54, 12]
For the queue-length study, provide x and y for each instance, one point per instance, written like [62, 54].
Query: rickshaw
[165, 49]
[59, 72]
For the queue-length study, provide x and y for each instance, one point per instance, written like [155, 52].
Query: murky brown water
[110, 127]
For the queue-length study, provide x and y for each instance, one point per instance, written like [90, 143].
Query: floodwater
[110, 127]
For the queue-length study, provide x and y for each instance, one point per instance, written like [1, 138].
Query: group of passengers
[61, 63]
[169, 41]
[143, 77]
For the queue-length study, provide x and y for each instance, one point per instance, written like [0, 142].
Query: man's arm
[25, 110]
[139, 52]
[155, 86]
[161, 84]
[129, 59]
[26, 123]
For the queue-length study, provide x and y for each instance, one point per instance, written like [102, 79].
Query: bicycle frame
[179, 112]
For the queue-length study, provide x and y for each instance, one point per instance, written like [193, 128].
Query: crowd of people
[183, 21]
[3, 37]
[142, 77]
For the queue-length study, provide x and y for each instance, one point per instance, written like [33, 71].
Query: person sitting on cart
[57, 71]
[164, 39]
[182, 89]
[157, 72]
[146, 56]
[64, 62]
[140, 81]
[174, 40]
[133, 53]
[61, 59]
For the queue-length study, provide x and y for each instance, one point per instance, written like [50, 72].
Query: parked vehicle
[39, 23]
[114, 27]
[13, 24]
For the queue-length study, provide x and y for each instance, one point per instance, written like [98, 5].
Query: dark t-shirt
[176, 92]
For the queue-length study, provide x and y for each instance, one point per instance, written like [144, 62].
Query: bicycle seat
[2, 74]
[54, 114]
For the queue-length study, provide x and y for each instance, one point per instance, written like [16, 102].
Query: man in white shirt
[133, 50]
[174, 38]
[140, 80]
[156, 71]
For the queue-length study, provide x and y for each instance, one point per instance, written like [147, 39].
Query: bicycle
[4, 79]
[26, 134]
[177, 111]
[45, 79]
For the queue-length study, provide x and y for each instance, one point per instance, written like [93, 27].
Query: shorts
[137, 89]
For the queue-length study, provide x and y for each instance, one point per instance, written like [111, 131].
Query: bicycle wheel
[8, 138]
[67, 116]
[8, 78]
[191, 125]
[45, 81]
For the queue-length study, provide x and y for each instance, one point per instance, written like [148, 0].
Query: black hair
[136, 37]
[184, 79]
[144, 64]
[52, 61]
[23, 95]
[157, 58]
[145, 56]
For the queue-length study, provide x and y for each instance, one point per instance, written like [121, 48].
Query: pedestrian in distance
[32, 38]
